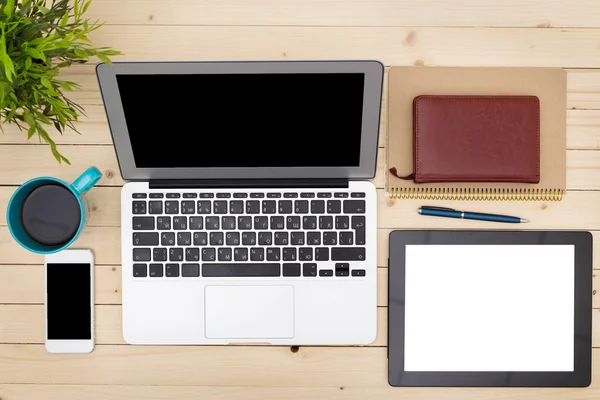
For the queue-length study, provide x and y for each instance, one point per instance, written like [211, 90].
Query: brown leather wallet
[476, 139]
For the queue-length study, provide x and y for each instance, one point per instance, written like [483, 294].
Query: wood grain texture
[435, 46]
[546, 33]
[511, 13]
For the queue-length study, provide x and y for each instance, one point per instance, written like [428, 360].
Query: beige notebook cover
[548, 84]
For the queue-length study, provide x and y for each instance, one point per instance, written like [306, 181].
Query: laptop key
[204, 206]
[257, 254]
[145, 238]
[139, 195]
[209, 254]
[200, 239]
[173, 195]
[334, 206]
[159, 254]
[190, 270]
[323, 195]
[172, 270]
[358, 272]
[342, 222]
[358, 224]
[184, 239]
[172, 207]
[224, 254]
[269, 206]
[342, 269]
[354, 206]
[140, 270]
[228, 223]
[289, 254]
[325, 222]
[309, 222]
[281, 238]
[265, 238]
[155, 207]
[140, 254]
[223, 195]
[175, 254]
[190, 195]
[212, 223]
[180, 223]
[257, 195]
[240, 254]
[305, 254]
[301, 206]
[220, 207]
[252, 207]
[143, 223]
[196, 223]
[309, 269]
[188, 207]
[248, 238]
[216, 239]
[240, 195]
[273, 195]
[290, 195]
[285, 206]
[206, 195]
[261, 223]
[277, 222]
[346, 238]
[322, 254]
[156, 195]
[138, 207]
[297, 239]
[241, 270]
[244, 222]
[360, 194]
[293, 222]
[326, 272]
[291, 269]
[167, 239]
[273, 254]
[236, 207]
[313, 238]
[347, 253]
[232, 239]
[329, 238]
[317, 206]
[156, 270]
[163, 223]
[192, 254]
[342, 195]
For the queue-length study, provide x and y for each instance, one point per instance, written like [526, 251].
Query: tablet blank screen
[489, 308]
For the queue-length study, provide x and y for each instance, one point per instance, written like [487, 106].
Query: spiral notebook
[547, 84]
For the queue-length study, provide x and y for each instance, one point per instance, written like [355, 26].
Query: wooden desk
[558, 33]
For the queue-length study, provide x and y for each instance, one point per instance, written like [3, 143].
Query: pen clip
[437, 208]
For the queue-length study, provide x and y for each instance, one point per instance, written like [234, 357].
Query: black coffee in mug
[51, 215]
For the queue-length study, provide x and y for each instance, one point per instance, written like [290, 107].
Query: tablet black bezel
[580, 377]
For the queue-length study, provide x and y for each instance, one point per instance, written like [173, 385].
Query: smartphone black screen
[68, 301]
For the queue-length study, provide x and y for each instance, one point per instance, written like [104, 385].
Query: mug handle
[87, 180]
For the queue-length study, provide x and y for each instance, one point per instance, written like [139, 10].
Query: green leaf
[85, 6]
[81, 53]
[64, 20]
[9, 68]
[28, 63]
[28, 117]
[104, 58]
[30, 132]
[9, 8]
[46, 82]
[35, 53]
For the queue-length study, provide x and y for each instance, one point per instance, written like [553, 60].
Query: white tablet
[490, 308]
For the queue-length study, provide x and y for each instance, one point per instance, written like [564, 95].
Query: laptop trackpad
[249, 312]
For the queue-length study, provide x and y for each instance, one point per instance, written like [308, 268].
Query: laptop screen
[244, 120]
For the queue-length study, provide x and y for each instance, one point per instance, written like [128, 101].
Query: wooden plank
[583, 89]
[583, 129]
[512, 13]
[568, 48]
[202, 365]
[382, 392]
[27, 162]
[583, 169]
[30, 287]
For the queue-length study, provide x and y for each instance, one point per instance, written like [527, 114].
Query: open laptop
[248, 216]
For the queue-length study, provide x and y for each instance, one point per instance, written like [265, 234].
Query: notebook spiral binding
[477, 194]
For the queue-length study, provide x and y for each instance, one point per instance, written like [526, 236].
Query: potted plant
[38, 38]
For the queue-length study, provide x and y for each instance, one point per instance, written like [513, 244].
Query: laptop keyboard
[289, 234]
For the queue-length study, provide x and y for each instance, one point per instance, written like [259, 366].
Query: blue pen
[452, 213]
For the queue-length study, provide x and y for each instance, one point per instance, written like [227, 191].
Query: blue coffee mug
[78, 188]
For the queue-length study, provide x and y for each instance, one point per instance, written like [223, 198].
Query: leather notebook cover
[404, 84]
[476, 138]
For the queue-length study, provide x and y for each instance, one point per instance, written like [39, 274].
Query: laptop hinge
[247, 183]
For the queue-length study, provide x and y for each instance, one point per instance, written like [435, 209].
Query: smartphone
[69, 302]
